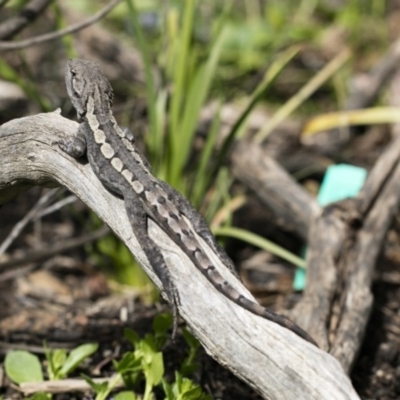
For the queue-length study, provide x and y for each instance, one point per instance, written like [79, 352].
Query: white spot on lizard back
[99, 136]
[93, 122]
[137, 187]
[127, 175]
[117, 164]
[107, 150]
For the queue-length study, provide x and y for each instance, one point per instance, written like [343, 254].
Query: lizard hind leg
[138, 219]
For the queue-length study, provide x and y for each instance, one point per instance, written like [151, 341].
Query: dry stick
[274, 187]
[5, 347]
[57, 206]
[64, 386]
[342, 258]
[273, 360]
[55, 35]
[362, 258]
[370, 85]
[354, 305]
[29, 13]
[341, 255]
[31, 215]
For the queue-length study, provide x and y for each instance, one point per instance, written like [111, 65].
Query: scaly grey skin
[123, 170]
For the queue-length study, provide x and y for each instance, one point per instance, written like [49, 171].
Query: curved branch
[29, 13]
[56, 35]
[273, 360]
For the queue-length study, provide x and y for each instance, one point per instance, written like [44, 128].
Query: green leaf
[129, 362]
[76, 356]
[162, 322]
[185, 389]
[99, 388]
[22, 366]
[130, 367]
[154, 371]
[40, 396]
[168, 390]
[190, 339]
[125, 396]
[56, 358]
[132, 336]
[194, 392]
[148, 346]
[189, 365]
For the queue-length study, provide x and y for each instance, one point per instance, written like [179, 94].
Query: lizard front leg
[199, 224]
[138, 219]
[74, 146]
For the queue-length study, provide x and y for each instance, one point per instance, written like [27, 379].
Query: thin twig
[65, 385]
[56, 206]
[27, 218]
[56, 35]
[29, 13]
[39, 255]
[3, 3]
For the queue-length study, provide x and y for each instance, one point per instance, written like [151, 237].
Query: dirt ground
[67, 301]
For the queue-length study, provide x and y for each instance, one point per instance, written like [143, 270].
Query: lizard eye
[73, 72]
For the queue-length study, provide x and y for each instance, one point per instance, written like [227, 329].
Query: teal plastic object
[340, 182]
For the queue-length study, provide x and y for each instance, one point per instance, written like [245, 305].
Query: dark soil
[76, 306]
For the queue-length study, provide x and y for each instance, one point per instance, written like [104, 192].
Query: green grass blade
[270, 75]
[158, 151]
[306, 91]
[202, 178]
[262, 243]
[196, 98]
[152, 139]
[221, 193]
[180, 77]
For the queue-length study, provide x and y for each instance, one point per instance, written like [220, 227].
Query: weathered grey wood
[273, 360]
[274, 187]
[344, 241]
[377, 208]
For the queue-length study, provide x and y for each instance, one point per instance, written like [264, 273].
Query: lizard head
[84, 79]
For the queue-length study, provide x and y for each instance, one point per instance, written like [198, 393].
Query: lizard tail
[270, 315]
[223, 286]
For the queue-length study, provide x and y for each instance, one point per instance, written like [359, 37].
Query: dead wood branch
[29, 13]
[273, 360]
[274, 187]
[4, 45]
[63, 386]
[344, 244]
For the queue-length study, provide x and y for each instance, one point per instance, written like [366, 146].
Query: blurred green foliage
[259, 51]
